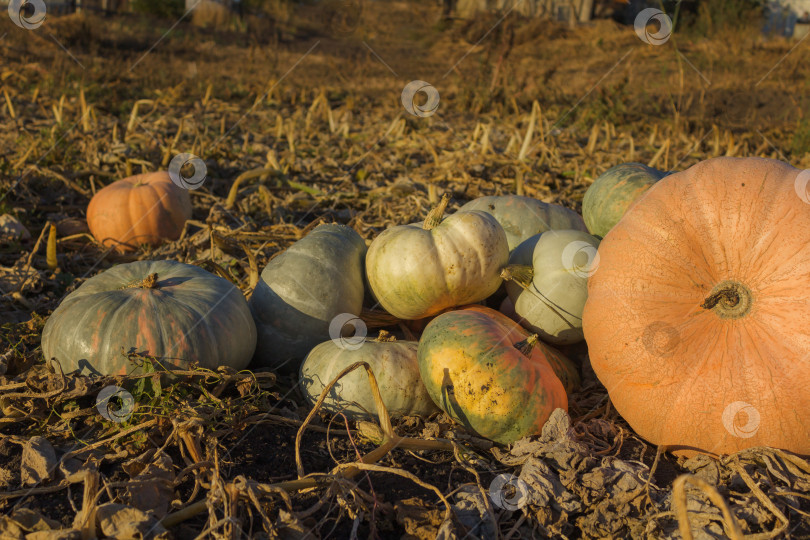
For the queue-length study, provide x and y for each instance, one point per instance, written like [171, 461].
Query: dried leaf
[126, 523]
[38, 461]
[289, 527]
[152, 487]
[11, 229]
[471, 511]
[11, 279]
[420, 520]
[10, 529]
[32, 521]
[6, 478]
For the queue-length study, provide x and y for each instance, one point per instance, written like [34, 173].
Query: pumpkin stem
[522, 274]
[729, 296]
[436, 215]
[526, 346]
[385, 335]
[149, 282]
[729, 299]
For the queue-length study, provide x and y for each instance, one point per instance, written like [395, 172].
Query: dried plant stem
[11, 112]
[50, 257]
[524, 148]
[679, 502]
[149, 282]
[347, 470]
[768, 503]
[435, 216]
[519, 275]
[247, 175]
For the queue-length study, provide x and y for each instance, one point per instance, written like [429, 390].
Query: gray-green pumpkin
[176, 312]
[396, 369]
[610, 195]
[302, 290]
[522, 217]
[551, 283]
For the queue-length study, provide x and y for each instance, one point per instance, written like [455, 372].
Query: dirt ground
[531, 107]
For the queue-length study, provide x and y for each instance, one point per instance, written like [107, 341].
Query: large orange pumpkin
[141, 209]
[698, 316]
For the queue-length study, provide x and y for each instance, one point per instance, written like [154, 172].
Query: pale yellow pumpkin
[419, 270]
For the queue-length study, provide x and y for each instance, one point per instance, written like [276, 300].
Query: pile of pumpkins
[690, 290]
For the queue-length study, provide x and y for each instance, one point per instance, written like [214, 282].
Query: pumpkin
[696, 320]
[549, 283]
[610, 195]
[173, 311]
[418, 270]
[563, 367]
[302, 290]
[522, 217]
[484, 373]
[395, 368]
[141, 209]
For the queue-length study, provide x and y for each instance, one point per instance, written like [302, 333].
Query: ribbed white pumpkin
[551, 305]
[421, 269]
[395, 367]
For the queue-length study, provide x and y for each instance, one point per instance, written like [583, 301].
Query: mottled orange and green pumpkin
[610, 195]
[565, 369]
[474, 368]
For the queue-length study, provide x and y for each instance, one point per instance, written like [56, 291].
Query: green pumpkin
[549, 300]
[522, 217]
[176, 312]
[610, 195]
[302, 290]
[395, 368]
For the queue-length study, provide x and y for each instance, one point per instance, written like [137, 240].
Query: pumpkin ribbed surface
[474, 371]
[182, 314]
[697, 316]
[141, 209]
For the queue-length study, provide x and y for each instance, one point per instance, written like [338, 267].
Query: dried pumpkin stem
[729, 299]
[149, 282]
[522, 274]
[436, 215]
[385, 336]
[526, 346]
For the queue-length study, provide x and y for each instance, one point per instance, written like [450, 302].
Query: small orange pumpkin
[697, 316]
[141, 209]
